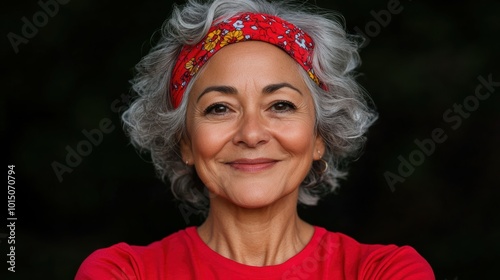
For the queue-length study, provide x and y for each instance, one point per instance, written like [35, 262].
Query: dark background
[71, 75]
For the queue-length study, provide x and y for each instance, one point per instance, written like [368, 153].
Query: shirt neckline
[210, 256]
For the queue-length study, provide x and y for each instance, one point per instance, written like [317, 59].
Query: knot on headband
[240, 28]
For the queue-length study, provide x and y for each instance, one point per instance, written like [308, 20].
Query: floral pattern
[243, 27]
[192, 67]
[232, 37]
[212, 40]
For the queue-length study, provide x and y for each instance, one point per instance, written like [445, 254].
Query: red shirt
[184, 255]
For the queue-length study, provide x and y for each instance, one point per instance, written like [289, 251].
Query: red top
[184, 255]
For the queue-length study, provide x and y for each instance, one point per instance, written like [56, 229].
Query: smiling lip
[252, 165]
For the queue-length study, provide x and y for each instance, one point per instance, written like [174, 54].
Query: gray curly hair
[343, 112]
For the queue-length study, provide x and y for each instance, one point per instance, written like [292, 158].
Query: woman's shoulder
[124, 261]
[372, 260]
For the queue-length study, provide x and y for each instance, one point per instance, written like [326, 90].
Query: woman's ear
[319, 147]
[186, 152]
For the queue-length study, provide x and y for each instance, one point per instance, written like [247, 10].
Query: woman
[256, 103]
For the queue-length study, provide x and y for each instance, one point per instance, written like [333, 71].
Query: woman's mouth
[252, 165]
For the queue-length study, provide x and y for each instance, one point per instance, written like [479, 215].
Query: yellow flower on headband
[232, 37]
[192, 67]
[212, 39]
[313, 76]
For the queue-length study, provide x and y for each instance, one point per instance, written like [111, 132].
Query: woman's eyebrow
[231, 90]
[274, 87]
[221, 89]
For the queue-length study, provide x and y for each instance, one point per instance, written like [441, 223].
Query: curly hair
[343, 111]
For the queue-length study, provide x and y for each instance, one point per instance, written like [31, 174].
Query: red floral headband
[240, 28]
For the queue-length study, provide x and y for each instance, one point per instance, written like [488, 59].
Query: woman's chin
[255, 198]
[253, 203]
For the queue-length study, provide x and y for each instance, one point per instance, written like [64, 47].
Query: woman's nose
[252, 130]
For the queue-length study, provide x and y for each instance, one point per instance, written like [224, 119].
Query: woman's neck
[258, 237]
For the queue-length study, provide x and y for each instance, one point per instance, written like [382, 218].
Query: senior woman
[248, 108]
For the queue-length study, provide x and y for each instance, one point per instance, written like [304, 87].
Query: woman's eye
[216, 109]
[283, 106]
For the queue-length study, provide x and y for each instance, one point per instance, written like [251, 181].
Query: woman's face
[250, 125]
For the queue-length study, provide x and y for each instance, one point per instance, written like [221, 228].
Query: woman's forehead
[253, 61]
